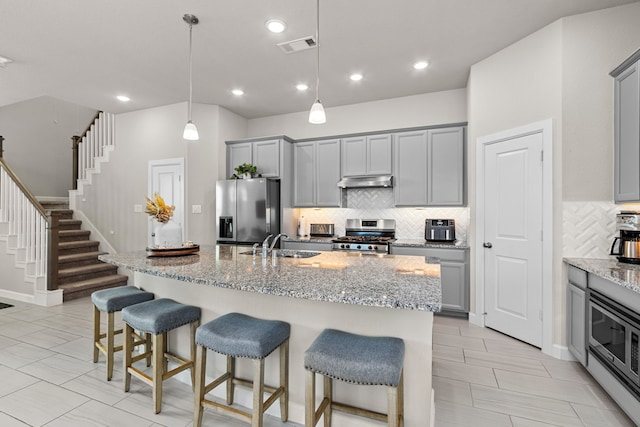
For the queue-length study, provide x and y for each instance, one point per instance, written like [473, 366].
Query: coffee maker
[627, 246]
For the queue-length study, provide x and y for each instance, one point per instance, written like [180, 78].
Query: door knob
[487, 245]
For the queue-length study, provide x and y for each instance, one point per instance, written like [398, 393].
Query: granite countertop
[623, 274]
[421, 243]
[389, 281]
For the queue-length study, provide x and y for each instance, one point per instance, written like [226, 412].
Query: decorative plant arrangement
[245, 170]
[158, 209]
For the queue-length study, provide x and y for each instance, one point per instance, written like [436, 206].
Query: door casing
[545, 127]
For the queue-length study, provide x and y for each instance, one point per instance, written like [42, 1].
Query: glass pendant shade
[317, 115]
[190, 132]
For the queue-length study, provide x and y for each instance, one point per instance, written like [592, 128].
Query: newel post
[76, 143]
[1, 146]
[52, 250]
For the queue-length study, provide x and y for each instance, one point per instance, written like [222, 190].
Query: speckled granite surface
[421, 243]
[626, 275]
[403, 282]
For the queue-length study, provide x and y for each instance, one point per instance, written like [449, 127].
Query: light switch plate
[196, 209]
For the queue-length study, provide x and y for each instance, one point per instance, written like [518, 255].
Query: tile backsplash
[588, 228]
[377, 203]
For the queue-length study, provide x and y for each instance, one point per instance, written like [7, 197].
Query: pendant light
[190, 130]
[317, 115]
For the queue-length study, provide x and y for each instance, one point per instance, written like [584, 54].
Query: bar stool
[110, 301]
[157, 317]
[238, 335]
[355, 359]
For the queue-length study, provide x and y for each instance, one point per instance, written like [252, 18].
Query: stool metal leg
[258, 392]
[96, 333]
[159, 344]
[127, 348]
[200, 370]
[284, 380]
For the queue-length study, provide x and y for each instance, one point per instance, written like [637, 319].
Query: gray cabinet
[316, 172]
[430, 167]
[454, 274]
[306, 246]
[627, 134]
[577, 314]
[367, 155]
[264, 154]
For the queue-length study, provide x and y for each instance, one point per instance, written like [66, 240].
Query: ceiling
[89, 51]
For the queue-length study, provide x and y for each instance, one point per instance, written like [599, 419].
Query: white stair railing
[25, 224]
[98, 138]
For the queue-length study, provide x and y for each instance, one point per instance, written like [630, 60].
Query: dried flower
[158, 209]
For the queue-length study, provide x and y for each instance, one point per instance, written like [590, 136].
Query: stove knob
[370, 247]
[358, 247]
[343, 246]
[375, 247]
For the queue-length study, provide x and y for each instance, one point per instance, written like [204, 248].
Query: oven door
[613, 336]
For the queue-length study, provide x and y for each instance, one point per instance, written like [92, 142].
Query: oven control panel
[362, 247]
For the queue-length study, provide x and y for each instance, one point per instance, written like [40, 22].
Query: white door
[166, 177]
[512, 231]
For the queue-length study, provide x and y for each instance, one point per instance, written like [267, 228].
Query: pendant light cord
[318, 50]
[190, 68]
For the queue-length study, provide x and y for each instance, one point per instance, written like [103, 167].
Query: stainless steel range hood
[366, 181]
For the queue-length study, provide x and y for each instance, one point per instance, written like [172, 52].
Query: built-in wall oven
[614, 331]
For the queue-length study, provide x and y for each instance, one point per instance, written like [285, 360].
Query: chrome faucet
[265, 246]
[275, 239]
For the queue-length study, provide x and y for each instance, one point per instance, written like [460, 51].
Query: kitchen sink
[285, 253]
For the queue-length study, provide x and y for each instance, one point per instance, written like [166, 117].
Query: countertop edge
[606, 268]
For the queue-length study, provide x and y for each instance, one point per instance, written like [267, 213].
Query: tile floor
[484, 378]
[481, 378]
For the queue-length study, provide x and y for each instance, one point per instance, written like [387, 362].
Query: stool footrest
[215, 383]
[140, 375]
[353, 410]
[223, 409]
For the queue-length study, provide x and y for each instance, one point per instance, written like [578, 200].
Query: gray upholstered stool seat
[115, 299]
[238, 335]
[156, 318]
[111, 301]
[161, 315]
[355, 359]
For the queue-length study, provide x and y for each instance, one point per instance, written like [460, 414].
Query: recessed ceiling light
[302, 87]
[237, 92]
[123, 98]
[275, 25]
[421, 65]
[356, 77]
[4, 61]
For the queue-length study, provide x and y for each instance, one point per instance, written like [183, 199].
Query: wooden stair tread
[79, 257]
[78, 244]
[67, 233]
[85, 269]
[98, 281]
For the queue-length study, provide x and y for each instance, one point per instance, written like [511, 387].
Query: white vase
[168, 235]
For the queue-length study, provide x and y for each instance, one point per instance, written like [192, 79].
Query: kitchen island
[359, 293]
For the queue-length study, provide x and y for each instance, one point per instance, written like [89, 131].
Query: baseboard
[17, 296]
[562, 352]
[433, 408]
[474, 319]
[48, 298]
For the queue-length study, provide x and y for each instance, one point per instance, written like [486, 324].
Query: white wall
[559, 72]
[155, 134]
[37, 144]
[410, 111]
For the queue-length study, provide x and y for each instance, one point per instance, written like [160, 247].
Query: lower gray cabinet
[454, 274]
[306, 246]
[577, 314]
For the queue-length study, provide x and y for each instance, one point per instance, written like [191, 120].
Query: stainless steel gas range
[366, 235]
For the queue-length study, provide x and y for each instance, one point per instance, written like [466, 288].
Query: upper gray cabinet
[316, 172]
[627, 131]
[264, 154]
[430, 167]
[367, 155]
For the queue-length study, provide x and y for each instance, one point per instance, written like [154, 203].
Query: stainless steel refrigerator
[247, 210]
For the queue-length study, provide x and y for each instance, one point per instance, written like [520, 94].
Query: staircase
[80, 272]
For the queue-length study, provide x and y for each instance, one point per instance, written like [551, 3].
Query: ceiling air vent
[298, 44]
